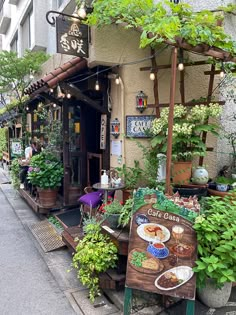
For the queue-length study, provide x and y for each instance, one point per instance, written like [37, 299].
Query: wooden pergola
[203, 50]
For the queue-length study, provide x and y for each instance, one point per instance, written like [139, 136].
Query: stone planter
[213, 297]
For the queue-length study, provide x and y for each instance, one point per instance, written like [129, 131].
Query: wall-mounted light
[141, 101]
[115, 128]
[152, 75]
[82, 11]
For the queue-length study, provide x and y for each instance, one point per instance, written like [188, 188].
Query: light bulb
[222, 74]
[117, 80]
[152, 76]
[68, 95]
[82, 12]
[27, 108]
[54, 105]
[51, 90]
[97, 87]
[181, 66]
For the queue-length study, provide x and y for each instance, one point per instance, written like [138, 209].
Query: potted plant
[95, 253]
[126, 213]
[46, 172]
[131, 176]
[112, 211]
[222, 183]
[189, 124]
[216, 263]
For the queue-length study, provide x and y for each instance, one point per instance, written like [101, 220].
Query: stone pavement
[33, 282]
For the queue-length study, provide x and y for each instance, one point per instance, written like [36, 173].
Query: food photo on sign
[162, 244]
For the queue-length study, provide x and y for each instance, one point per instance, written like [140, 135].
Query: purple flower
[30, 169]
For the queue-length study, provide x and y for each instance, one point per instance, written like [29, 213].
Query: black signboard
[72, 38]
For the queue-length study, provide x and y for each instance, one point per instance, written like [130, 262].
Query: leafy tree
[16, 73]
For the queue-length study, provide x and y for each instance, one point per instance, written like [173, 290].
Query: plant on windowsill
[216, 236]
[95, 253]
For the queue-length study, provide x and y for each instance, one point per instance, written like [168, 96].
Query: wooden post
[171, 120]
[209, 95]
[155, 84]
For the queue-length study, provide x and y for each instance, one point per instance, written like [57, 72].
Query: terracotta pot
[181, 172]
[47, 197]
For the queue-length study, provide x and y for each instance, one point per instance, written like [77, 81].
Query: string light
[54, 105]
[97, 87]
[51, 90]
[117, 79]
[222, 71]
[152, 75]
[181, 60]
[68, 95]
[27, 107]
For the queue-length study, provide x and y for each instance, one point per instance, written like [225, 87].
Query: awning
[56, 76]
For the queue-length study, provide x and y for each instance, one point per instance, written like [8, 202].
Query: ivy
[165, 21]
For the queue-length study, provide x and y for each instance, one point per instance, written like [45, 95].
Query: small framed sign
[136, 126]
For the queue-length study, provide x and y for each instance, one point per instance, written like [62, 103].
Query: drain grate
[47, 236]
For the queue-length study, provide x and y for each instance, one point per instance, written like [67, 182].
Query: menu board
[162, 245]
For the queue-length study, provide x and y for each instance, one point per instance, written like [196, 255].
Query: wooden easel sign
[162, 244]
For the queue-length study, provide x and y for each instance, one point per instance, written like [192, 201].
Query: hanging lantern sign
[141, 101]
[115, 128]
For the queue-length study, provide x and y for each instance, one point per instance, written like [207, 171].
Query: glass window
[14, 44]
[27, 26]
[59, 3]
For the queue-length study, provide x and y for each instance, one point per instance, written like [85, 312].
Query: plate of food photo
[174, 278]
[182, 250]
[144, 262]
[151, 232]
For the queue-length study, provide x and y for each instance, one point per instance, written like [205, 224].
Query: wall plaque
[136, 126]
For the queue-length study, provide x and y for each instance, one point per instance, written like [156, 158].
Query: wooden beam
[187, 64]
[82, 97]
[168, 189]
[187, 104]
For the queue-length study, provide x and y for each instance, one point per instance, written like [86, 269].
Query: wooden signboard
[162, 245]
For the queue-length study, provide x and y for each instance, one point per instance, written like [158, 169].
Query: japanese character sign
[72, 38]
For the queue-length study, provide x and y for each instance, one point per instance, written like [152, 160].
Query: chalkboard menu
[162, 245]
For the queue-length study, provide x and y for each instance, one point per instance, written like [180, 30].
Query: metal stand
[128, 303]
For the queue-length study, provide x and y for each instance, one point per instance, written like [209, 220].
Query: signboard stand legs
[128, 303]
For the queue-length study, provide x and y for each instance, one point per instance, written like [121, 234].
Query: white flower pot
[200, 176]
[213, 297]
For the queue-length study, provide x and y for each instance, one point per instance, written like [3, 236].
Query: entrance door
[82, 154]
